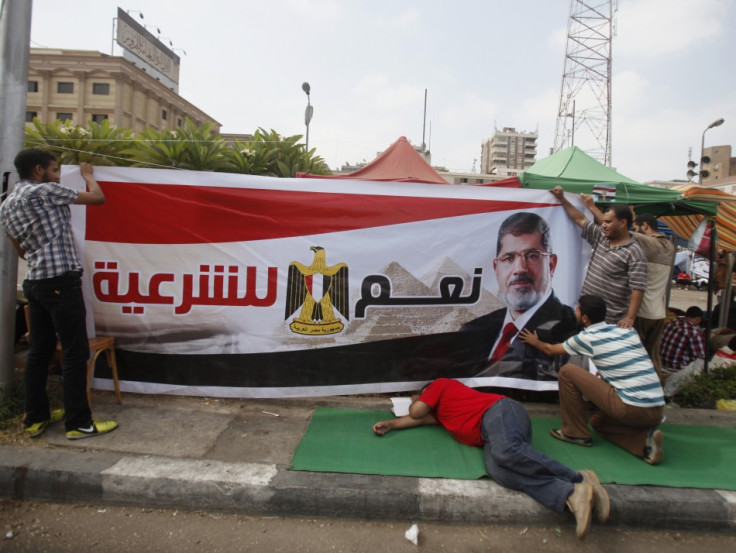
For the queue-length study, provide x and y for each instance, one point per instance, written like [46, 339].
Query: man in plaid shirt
[37, 219]
[683, 340]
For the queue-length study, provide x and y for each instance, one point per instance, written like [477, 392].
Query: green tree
[269, 153]
[187, 147]
[98, 143]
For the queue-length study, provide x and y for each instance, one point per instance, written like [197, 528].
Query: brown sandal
[557, 433]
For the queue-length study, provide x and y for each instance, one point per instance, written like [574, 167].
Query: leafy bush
[705, 389]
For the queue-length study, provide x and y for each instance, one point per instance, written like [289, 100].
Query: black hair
[694, 311]
[594, 307]
[27, 159]
[621, 211]
[647, 218]
[524, 222]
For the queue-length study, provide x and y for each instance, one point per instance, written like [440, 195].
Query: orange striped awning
[684, 225]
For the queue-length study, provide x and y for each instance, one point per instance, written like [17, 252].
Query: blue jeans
[514, 463]
[56, 311]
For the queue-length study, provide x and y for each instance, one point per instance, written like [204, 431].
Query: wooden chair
[97, 346]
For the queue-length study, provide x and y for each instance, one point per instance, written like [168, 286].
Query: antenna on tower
[584, 113]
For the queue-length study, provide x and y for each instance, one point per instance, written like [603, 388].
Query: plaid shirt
[37, 215]
[682, 342]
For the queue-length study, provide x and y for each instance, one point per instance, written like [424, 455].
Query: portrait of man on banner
[524, 265]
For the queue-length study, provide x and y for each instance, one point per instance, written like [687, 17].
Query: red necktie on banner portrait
[509, 331]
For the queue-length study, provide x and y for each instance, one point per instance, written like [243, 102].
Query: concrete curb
[273, 490]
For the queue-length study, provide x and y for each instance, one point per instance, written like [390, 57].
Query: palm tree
[98, 143]
[187, 147]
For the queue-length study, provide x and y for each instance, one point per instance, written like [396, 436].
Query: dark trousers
[56, 310]
[512, 461]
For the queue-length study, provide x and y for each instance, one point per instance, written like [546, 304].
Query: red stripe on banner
[138, 213]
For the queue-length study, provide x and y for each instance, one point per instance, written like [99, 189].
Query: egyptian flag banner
[229, 285]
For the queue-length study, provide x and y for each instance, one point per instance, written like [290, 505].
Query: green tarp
[341, 440]
[577, 172]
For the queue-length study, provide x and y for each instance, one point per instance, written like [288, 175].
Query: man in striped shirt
[617, 271]
[628, 396]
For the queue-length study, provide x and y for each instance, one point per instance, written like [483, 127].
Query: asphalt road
[51, 528]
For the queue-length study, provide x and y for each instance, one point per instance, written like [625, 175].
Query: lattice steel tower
[584, 114]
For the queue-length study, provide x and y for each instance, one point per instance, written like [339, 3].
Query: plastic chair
[97, 346]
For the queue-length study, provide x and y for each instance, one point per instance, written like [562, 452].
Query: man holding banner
[617, 271]
[37, 219]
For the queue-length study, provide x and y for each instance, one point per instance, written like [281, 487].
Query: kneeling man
[628, 395]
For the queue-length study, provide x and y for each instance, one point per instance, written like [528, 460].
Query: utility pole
[15, 37]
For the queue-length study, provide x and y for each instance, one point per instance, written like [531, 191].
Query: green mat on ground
[341, 440]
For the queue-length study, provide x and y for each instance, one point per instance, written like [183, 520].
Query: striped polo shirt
[613, 271]
[621, 361]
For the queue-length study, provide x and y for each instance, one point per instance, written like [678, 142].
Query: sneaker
[601, 502]
[654, 450]
[37, 428]
[95, 428]
[579, 503]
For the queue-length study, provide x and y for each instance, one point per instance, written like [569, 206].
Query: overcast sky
[485, 63]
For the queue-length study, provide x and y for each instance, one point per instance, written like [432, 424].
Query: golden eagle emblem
[317, 300]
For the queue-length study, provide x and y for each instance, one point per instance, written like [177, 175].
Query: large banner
[241, 286]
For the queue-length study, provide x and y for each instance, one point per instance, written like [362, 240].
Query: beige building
[508, 152]
[721, 164]
[83, 86]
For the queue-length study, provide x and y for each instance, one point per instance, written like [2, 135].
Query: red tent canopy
[399, 163]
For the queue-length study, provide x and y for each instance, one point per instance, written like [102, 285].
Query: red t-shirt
[459, 408]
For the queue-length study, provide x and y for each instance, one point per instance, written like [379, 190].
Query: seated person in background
[628, 399]
[683, 340]
[502, 427]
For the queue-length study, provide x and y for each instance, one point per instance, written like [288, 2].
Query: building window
[65, 87]
[101, 88]
[32, 86]
[163, 114]
[64, 116]
[179, 122]
[99, 117]
[30, 115]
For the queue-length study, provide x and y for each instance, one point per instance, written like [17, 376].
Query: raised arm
[590, 204]
[576, 216]
[95, 195]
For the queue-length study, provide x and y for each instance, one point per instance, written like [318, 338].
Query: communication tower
[584, 113]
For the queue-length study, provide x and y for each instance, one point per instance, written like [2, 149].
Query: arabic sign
[138, 41]
[241, 286]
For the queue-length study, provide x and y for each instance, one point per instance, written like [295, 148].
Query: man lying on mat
[502, 427]
[628, 396]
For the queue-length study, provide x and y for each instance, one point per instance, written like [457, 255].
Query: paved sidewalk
[233, 455]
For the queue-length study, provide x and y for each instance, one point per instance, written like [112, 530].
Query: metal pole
[711, 275]
[702, 147]
[15, 37]
[309, 117]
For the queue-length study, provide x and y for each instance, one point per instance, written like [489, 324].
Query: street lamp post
[716, 123]
[309, 111]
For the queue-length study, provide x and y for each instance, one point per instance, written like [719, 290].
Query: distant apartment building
[82, 86]
[508, 152]
[718, 163]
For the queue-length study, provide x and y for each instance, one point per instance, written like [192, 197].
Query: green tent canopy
[577, 172]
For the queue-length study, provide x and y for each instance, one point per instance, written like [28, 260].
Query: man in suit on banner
[524, 264]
